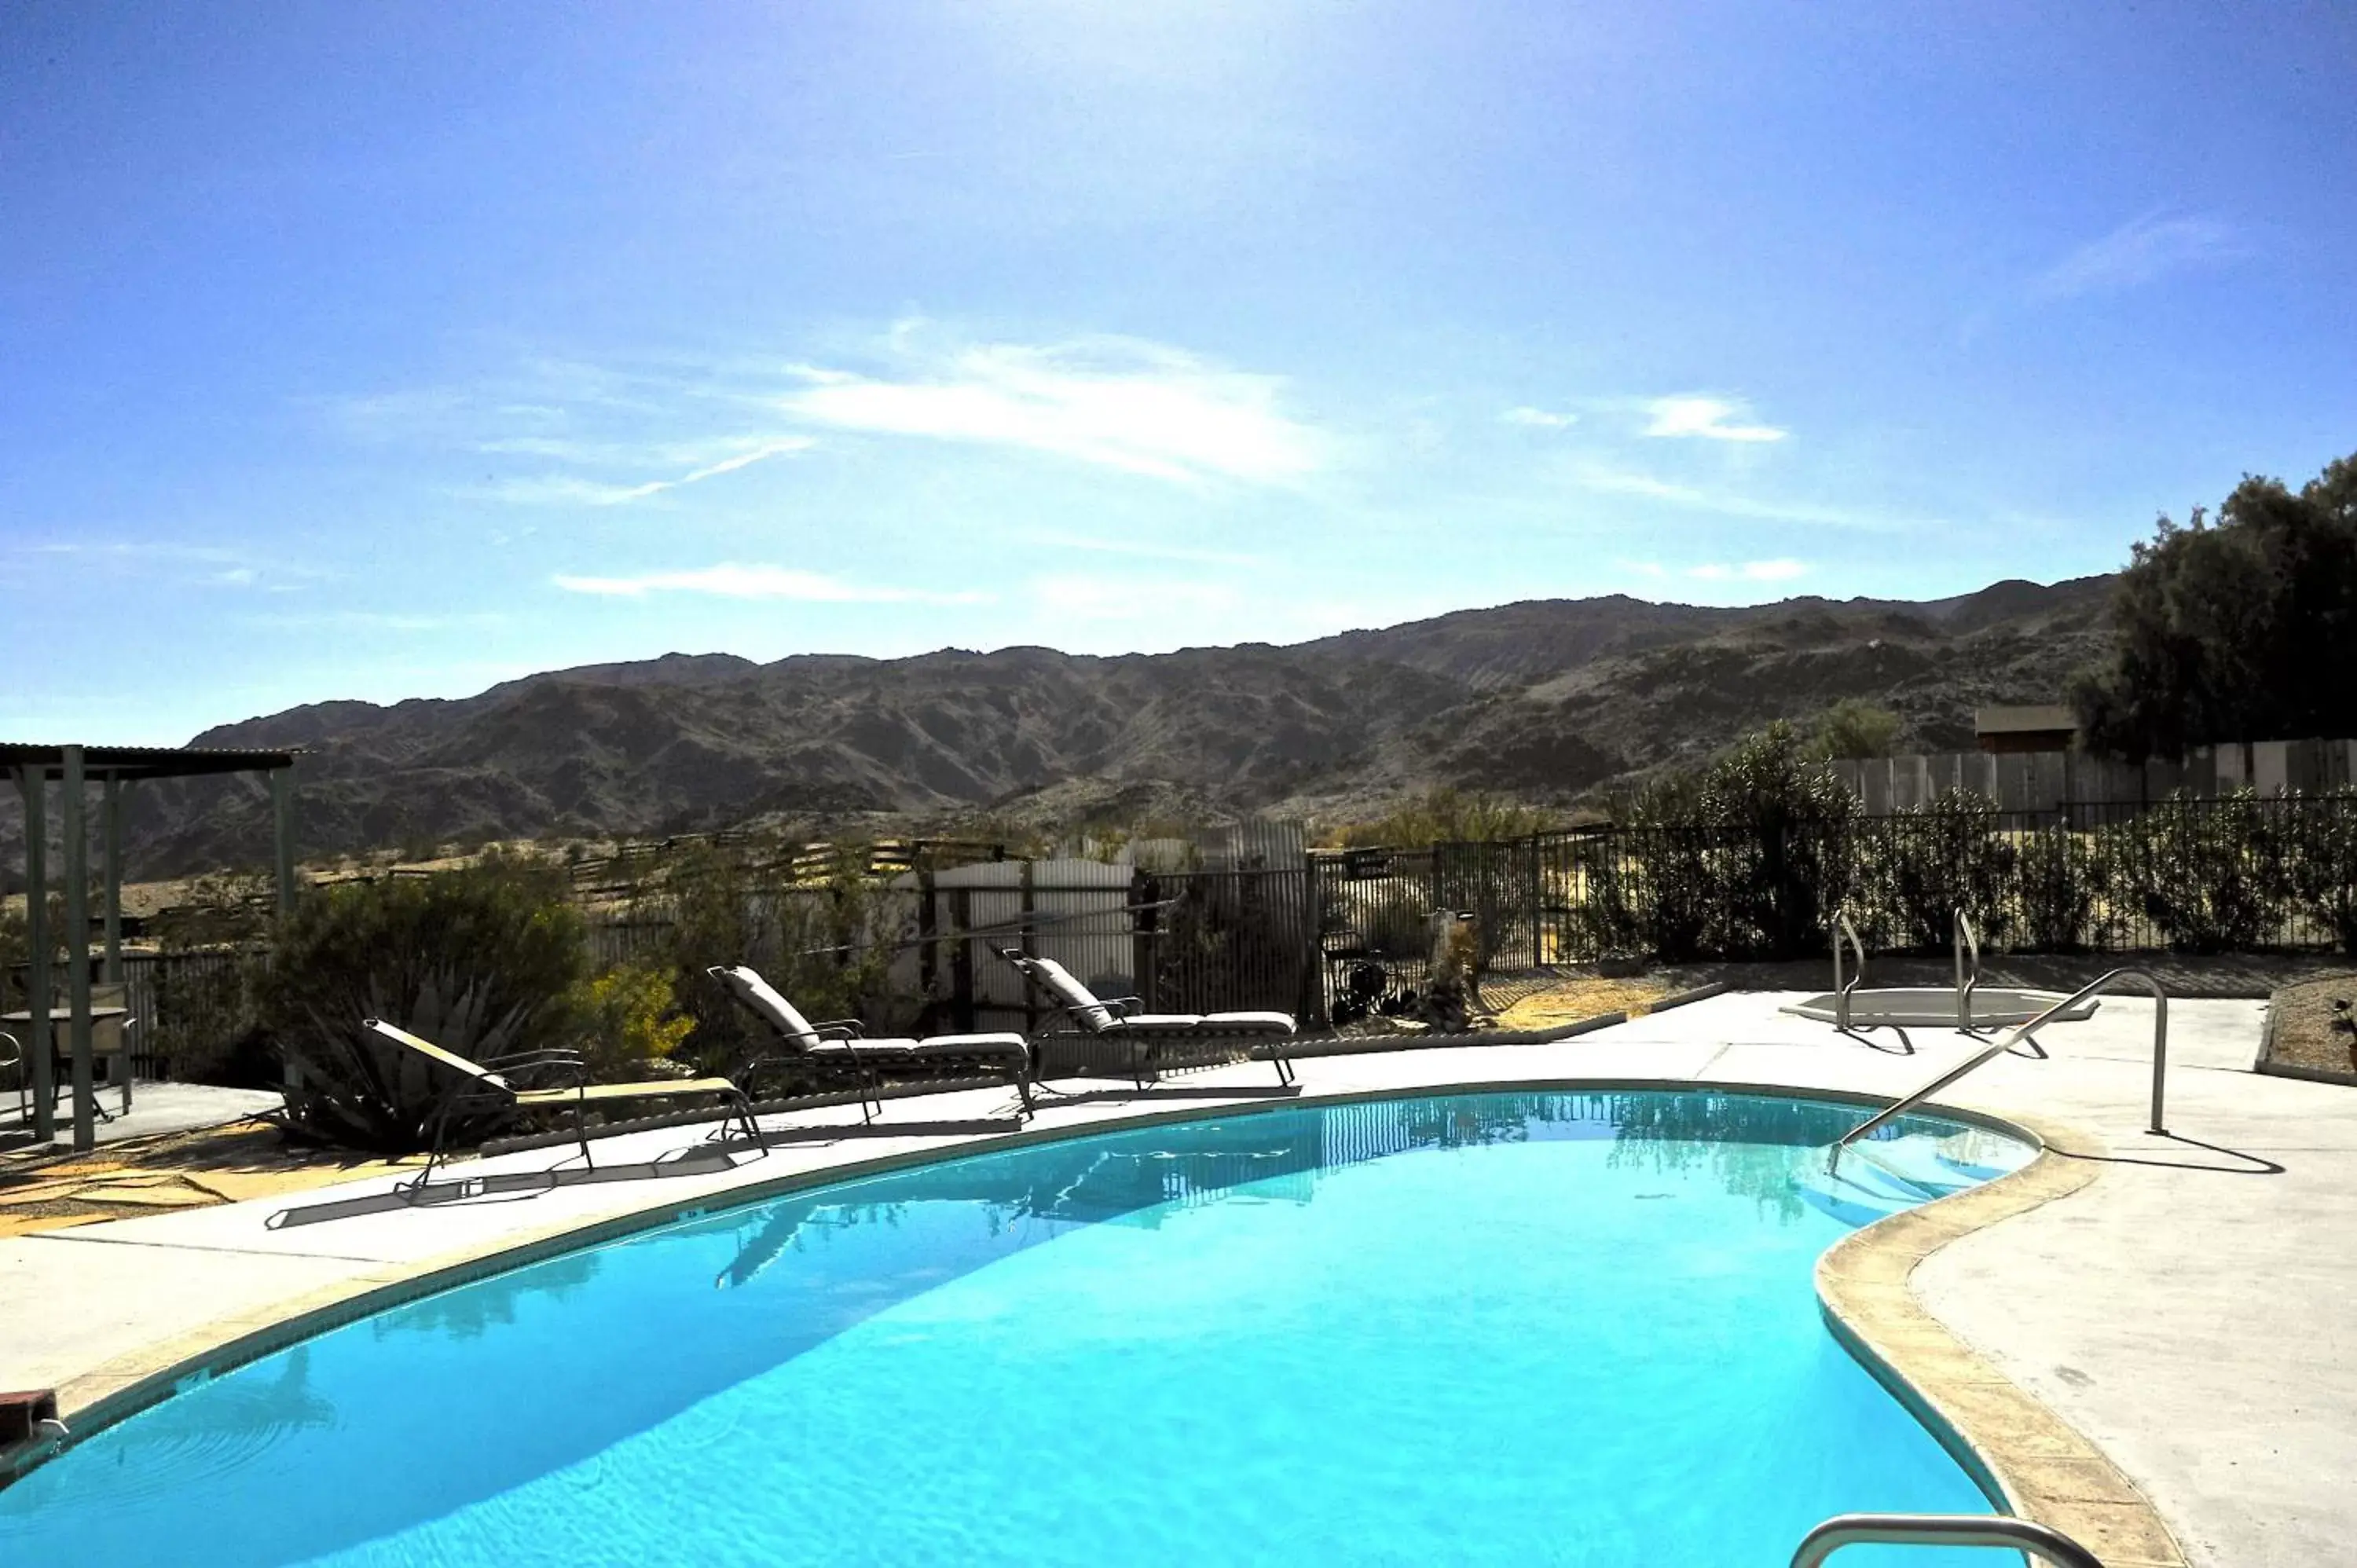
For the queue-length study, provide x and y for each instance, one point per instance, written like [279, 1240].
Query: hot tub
[1934, 1007]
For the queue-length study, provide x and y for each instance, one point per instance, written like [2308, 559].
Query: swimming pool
[1534, 1327]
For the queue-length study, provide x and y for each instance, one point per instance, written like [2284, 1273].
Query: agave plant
[482, 962]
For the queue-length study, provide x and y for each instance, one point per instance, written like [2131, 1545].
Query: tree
[1854, 728]
[2240, 629]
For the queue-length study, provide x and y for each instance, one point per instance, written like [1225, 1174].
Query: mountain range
[1553, 702]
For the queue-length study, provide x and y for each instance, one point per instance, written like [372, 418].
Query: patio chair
[1117, 1018]
[842, 1044]
[543, 1079]
[12, 1060]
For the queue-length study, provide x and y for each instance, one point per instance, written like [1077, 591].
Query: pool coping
[2025, 1458]
[2030, 1461]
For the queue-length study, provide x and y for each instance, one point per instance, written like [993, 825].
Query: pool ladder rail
[1964, 938]
[2158, 1127]
[2000, 1530]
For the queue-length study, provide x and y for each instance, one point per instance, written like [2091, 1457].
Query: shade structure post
[282, 821]
[113, 828]
[281, 866]
[73, 822]
[33, 784]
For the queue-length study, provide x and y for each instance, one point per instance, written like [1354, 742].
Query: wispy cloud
[1146, 549]
[1539, 418]
[1697, 414]
[573, 490]
[1117, 402]
[198, 565]
[730, 580]
[2140, 251]
[1604, 479]
[588, 436]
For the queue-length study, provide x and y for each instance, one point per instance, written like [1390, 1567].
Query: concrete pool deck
[2186, 1308]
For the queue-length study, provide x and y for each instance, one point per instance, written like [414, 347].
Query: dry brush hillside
[1551, 701]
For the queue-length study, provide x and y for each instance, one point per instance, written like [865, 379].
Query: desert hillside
[1551, 701]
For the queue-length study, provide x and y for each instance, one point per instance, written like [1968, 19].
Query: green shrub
[1448, 815]
[482, 962]
[1854, 728]
[628, 1027]
[1927, 861]
[205, 1030]
[2065, 880]
[2208, 874]
[1492, 882]
[2320, 861]
[1749, 859]
[827, 946]
[1394, 920]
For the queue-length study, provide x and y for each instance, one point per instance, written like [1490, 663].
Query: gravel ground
[2304, 1035]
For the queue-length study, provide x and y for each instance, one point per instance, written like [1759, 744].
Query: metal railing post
[1906, 1102]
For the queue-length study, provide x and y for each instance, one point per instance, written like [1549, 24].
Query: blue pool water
[1529, 1328]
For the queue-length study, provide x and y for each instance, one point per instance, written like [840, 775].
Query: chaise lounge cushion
[931, 1045]
[1249, 1023]
[762, 997]
[1079, 998]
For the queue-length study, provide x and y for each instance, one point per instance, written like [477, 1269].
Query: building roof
[2036, 718]
[144, 761]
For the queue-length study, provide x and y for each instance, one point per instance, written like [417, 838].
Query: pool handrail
[2001, 1530]
[1842, 927]
[1990, 1053]
[1967, 979]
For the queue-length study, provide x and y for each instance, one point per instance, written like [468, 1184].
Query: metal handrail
[1990, 1053]
[1966, 936]
[1942, 1529]
[1842, 927]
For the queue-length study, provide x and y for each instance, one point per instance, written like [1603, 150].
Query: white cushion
[1162, 1023]
[1251, 1023]
[763, 998]
[1072, 994]
[975, 1044]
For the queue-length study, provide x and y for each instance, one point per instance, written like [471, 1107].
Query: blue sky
[394, 350]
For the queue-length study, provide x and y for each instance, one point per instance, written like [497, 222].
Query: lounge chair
[1117, 1018]
[841, 1044]
[562, 1079]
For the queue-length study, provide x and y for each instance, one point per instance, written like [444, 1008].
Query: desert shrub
[1647, 889]
[1394, 920]
[1927, 861]
[2208, 873]
[1238, 941]
[2064, 884]
[205, 1030]
[1492, 882]
[218, 909]
[628, 1027]
[483, 961]
[1749, 859]
[1854, 728]
[1450, 815]
[828, 946]
[2320, 855]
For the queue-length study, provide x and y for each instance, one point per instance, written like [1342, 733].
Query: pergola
[115, 768]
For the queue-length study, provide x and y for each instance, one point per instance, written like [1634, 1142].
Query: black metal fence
[2236, 873]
